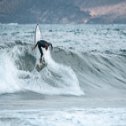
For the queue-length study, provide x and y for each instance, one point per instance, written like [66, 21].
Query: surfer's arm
[51, 46]
[34, 46]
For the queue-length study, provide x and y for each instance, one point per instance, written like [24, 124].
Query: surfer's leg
[40, 49]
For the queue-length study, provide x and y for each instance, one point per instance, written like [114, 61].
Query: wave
[98, 72]
[12, 24]
[68, 72]
[54, 79]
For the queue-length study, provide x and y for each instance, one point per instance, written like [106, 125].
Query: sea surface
[84, 83]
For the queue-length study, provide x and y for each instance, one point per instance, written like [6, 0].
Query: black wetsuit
[43, 44]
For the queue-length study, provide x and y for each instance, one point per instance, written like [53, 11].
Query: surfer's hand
[51, 47]
[34, 47]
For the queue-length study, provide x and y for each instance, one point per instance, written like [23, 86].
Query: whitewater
[84, 82]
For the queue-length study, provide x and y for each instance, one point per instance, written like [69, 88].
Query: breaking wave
[19, 74]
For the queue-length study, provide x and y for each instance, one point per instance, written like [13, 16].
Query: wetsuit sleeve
[35, 46]
[51, 45]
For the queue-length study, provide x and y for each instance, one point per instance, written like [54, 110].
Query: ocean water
[84, 83]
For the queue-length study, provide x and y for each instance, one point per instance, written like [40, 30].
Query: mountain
[63, 11]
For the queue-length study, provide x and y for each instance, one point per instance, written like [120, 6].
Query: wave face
[19, 73]
[98, 73]
[82, 62]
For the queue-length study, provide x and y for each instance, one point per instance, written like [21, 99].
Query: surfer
[42, 44]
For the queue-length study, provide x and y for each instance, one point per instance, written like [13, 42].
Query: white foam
[8, 75]
[54, 79]
[12, 24]
[80, 117]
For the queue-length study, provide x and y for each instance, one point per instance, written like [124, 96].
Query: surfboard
[40, 66]
[38, 36]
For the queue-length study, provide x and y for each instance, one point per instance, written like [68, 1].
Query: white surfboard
[38, 36]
